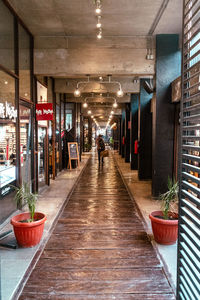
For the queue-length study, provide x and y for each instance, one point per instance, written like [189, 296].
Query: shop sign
[7, 111]
[44, 111]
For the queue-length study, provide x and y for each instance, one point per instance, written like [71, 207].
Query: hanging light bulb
[77, 93]
[98, 10]
[112, 112]
[85, 105]
[89, 112]
[92, 117]
[120, 93]
[99, 22]
[98, 7]
[115, 104]
[99, 35]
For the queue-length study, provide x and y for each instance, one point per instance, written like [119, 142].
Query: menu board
[73, 152]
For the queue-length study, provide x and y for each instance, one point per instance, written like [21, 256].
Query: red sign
[44, 111]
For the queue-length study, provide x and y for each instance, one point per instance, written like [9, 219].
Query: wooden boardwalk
[99, 249]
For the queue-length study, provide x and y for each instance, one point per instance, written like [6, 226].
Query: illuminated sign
[44, 111]
[7, 111]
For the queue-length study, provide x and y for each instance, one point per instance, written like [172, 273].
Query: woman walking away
[100, 147]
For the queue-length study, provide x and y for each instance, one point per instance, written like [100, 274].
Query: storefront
[16, 109]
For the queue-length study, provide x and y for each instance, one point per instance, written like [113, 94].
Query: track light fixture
[120, 93]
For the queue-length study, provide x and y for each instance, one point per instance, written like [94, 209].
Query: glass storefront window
[62, 117]
[24, 64]
[6, 38]
[8, 116]
[57, 135]
[68, 119]
[42, 155]
[25, 143]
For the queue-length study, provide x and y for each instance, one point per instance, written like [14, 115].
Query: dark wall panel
[145, 143]
[123, 132]
[127, 133]
[134, 129]
[168, 68]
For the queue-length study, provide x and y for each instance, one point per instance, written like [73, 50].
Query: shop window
[57, 134]
[8, 116]
[6, 37]
[62, 117]
[25, 143]
[68, 119]
[24, 64]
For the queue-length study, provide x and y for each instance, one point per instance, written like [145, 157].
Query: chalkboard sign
[73, 153]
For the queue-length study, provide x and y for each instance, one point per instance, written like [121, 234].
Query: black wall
[168, 68]
[145, 142]
[134, 129]
[123, 132]
[127, 133]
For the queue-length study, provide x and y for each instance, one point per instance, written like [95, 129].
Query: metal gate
[188, 277]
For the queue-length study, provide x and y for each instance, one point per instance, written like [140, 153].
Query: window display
[8, 116]
[25, 143]
[42, 148]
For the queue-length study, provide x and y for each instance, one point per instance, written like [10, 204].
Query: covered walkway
[99, 249]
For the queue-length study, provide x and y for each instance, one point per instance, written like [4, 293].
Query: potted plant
[165, 222]
[28, 226]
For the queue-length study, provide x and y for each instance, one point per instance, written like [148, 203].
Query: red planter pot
[28, 234]
[165, 231]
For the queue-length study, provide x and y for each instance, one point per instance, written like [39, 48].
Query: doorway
[42, 156]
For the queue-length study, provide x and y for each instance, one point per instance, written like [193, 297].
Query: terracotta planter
[165, 231]
[28, 234]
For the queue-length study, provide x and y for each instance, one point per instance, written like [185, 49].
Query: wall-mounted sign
[7, 111]
[44, 111]
[176, 90]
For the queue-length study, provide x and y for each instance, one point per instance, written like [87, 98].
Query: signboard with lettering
[7, 111]
[44, 111]
[73, 153]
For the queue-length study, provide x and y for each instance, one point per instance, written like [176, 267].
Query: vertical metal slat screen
[188, 276]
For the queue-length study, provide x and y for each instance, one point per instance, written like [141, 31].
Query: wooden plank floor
[99, 249]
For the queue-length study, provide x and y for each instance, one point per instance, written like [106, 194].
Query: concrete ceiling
[69, 25]
[119, 17]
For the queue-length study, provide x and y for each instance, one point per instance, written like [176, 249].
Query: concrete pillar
[168, 68]
[134, 129]
[127, 133]
[145, 135]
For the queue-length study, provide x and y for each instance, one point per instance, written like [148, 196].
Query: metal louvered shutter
[188, 275]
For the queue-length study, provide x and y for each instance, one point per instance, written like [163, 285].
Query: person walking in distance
[100, 147]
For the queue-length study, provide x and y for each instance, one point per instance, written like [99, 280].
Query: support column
[168, 68]
[123, 133]
[134, 129]
[145, 138]
[127, 133]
